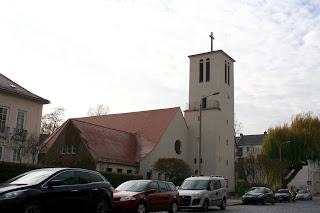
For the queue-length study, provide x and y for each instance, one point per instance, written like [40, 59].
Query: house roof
[249, 140]
[9, 87]
[120, 138]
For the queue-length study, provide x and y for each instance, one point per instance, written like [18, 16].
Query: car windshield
[133, 186]
[256, 190]
[194, 185]
[32, 177]
[283, 191]
[302, 191]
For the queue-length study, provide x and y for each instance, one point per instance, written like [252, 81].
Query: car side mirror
[151, 191]
[53, 183]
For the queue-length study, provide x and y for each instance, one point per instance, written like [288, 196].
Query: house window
[21, 118]
[207, 69]
[109, 169]
[159, 176]
[177, 147]
[3, 121]
[225, 71]
[119, 170]
[228, 73]
[1, 153]
[129, 171]
[63, 149]
[201, 71]
[73, 149]
[68, 149]
[15, 155]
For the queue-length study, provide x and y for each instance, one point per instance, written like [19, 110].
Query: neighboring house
[20, 117]
[133, 142]
[247, 149]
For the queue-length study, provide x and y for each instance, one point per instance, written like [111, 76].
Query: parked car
[203, 191]
[56, 190]
[146, 195]
[304, 194]
[261, 195]
[284, 195]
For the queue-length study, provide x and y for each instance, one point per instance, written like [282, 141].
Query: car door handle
[95, 189]
[74, 190]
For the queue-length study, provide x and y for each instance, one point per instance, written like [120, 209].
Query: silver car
[304, 194]
[200, 192]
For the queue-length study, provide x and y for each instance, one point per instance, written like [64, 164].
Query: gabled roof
[120, 138]
[249, 140]
[9, 87]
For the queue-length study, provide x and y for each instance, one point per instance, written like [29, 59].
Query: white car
[200, 192]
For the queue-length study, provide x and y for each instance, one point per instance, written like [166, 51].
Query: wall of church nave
[112, 167]
[173, 144]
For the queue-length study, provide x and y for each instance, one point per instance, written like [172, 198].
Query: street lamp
[281, 162]
[199, 137]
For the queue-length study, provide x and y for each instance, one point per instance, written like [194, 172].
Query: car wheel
[174, 207]
[141, 208]
[205, 206]
[102, 207]
[223, 204]
[32, 208]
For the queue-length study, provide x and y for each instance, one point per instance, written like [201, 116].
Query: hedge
[10, 170]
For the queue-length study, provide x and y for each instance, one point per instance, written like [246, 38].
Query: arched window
[225, 71]
[178, 147]
[207, 69]
[228, 73]
[201, 71]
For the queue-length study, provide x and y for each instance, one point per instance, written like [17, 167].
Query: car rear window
[96, 178]
[163, 187]
[83, 177]
[172, 187]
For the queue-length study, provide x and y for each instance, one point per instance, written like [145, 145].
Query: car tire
[223, 204]
[174, 207]
[32, 208]
[205, 205]
[141, 208]
[102, 206]
[244, 203]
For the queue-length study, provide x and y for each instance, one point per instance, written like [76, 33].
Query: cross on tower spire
[211, 38]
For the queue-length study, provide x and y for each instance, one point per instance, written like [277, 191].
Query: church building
[203, 136]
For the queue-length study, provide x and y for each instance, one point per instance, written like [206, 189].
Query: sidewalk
[232, 202]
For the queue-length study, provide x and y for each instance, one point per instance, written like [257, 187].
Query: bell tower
[210, 114]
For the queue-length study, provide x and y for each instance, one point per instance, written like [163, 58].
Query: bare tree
[99, 109]
[237, 125]
[17, 143]
[52, 121]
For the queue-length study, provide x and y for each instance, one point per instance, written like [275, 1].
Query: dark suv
[56, 189]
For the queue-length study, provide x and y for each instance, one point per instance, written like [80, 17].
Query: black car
[58, 190]
[284, 195]
[261, 195]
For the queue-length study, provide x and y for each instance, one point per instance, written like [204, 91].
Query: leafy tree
[173, 167]
[304, 145]
[52, 121]
[99, 109]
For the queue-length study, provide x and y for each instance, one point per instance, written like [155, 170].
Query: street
[284, 207]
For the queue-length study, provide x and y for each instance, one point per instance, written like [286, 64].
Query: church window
[195, 161]
[227, 122]
[207, 69]
[228, 73]
[219, 159]
[227, 142]
[204, 103]
[177, 147]
[201, 71]
[227, 163]
[225, 71]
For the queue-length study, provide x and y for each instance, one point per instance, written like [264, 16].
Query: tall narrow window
[3, 122]
[207, 69]
[225, 71]
[201, 71]
[228, 73]
[204, 103]
[21, 117]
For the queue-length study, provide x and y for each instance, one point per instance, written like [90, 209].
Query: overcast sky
[132, 54]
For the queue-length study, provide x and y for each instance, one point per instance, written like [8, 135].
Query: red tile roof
[121, 138]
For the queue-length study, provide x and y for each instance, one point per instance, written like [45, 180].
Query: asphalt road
[308, 206]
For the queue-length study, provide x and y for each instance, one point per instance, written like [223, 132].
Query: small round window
[177, 147]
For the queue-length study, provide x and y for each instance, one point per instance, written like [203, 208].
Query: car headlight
[196, 194]
[127, 198]
[11, 195]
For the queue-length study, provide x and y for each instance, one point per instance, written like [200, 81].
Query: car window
[83, 177]
[194, 185]
[217, 184]
[154, 185]
[256, 190]
[163, 187]
[66, 178]
[32, 177]
[96, 178]
[172, 187]
[212, 185]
